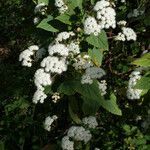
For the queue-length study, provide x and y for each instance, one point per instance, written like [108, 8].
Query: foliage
[123, 123]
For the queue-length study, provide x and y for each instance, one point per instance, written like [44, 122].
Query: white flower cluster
[40, 8]
[133, 93]
[90, 121]
[62, 7]
[55, 97]
[64, 36]
[91, 26]
[67, 144]
[79, 133]
[103, 87]
[48, 122]
[54, 64]
[39, 96]
[92, 73]
[135, 13]
[59, 49]
[126, 34]
[106, 18]
[74, 48]
[122, 23]
[105, 14]
[42, 79]
[82, 62]
[25, 56]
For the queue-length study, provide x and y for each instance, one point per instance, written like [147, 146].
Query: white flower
[120, 37]
[54, 64]
[86, 79]
[59, 3]
[133, 93]
[122, 23]
[92, 73]
[42, 78]
[63, 9]
[91, 26]
[71, 131]
[95, 72]
[39, 96]
[103, 87]
[39, 7]
[59, 49]
[90, 121]
[107, 17]
[79, 133]
[25, 56]
[48, 122]
[101, 4]
[61, 6]
[36, 20]
[127, 34]
[63, 36]
[55, 97]
[82, 62]
[66, 144]
[74, 48]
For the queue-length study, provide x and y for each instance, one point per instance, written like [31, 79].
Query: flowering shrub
[87, 69]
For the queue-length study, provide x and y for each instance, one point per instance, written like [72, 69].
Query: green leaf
[75, 3]
[64, 19]
[91, 94]
[43, 1]
[68, 87]
[143, 61]
[99, 41]
[74, 116]
[96, 56]
[143, 83]
[46, 26]
[89, 107]
[111, 105]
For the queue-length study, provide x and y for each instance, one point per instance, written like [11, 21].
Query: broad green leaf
[74, 116]
[96, 56]
[111, 105]
[143, 61]
[46, 26]
[68, 87]
[91, 94]
[43, 1]
[64, 18]
[99, 41]
[143, 83]
[89, 107]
